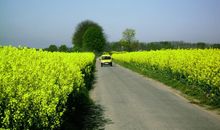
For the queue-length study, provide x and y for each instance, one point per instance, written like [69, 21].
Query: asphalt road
[134, 102]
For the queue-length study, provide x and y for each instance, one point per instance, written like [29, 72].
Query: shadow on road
[84, 114]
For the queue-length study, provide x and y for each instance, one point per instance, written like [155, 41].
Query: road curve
[134, 102]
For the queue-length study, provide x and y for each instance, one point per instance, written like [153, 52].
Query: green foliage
[52, 48]
[35, 86]
[216, 46]
[201, 45]
[159, 45]
[94, 40]
[115, 46]
[63, 48]
[129, 35]
[139, 46]
[77, 39]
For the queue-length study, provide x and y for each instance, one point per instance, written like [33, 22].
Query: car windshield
[106, 57]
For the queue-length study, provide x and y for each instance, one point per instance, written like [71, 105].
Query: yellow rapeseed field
[35, 85]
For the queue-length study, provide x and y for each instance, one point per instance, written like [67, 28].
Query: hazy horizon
[41, 23]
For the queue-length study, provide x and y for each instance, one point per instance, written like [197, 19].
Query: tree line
[141, 46]
[62, 48]
[89, 36]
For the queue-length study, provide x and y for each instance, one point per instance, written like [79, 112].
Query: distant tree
[107, 47]
[128, 36]
[121, 46]
[153, 46]
[142, 46]
[166, 45]
[94, 40]
[216, 46]
[124, 45]
[63, 48]
[201, 45]
[52, 48]
[135, 46]
[115, 46]
[77, 39]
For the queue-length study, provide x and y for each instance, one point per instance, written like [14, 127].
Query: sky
[39, 23]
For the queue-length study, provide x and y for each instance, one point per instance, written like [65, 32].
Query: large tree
[94, 40]
[77, 39]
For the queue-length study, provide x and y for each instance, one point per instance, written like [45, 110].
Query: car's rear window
[106, 57]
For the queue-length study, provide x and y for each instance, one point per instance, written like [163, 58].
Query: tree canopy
[94, 40]
[77, 39]
[128, 38]
[129, 35]
[63, 48]
[52, 48]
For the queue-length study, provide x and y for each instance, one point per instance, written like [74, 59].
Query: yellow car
[106, 60]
